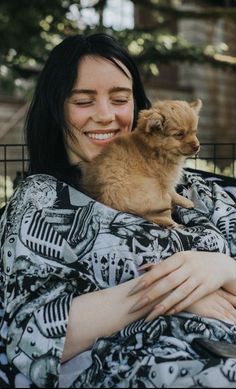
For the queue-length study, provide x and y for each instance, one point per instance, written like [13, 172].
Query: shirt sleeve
[41, 275]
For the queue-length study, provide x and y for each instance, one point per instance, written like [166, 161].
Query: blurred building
[216, 87]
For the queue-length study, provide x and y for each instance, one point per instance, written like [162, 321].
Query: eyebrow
[93, 91]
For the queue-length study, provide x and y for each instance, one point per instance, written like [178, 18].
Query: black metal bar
[23, 158]
[234, 160]
[5, 173]
[19, 170]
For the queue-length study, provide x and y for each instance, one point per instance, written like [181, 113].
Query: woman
[88, 291]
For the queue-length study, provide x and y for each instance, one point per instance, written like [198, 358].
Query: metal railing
[13, 168]
[216, 158]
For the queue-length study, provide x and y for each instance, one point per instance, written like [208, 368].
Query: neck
[167, 157]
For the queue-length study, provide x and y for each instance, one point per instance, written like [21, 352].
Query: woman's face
[99, 108]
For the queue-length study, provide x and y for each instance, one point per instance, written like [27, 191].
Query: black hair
[45, 123]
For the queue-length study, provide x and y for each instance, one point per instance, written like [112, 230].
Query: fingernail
[157, 311]
[140, 304]
[137, 288]
[146, 266]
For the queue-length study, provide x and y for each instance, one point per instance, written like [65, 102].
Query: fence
[13, 167]
[217, 158]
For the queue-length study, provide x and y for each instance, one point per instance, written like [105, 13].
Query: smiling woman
[88, 88]
[98, 109]
[80, 278]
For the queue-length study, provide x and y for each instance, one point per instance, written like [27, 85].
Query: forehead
[95, 70]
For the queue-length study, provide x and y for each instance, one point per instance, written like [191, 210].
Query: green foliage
[161, 47]
[30, 29]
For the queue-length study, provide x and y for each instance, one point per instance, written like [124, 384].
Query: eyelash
[83, 102]
[116, 101]
[120, 101]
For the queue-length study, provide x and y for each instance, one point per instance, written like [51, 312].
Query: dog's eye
[179, 135]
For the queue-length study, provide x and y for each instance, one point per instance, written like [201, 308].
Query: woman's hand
[188, 275]
[218, 305]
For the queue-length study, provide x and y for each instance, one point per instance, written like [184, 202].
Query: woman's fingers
[147, 266]
[227, 309]
[215, 305]
[226, 314]
[184, 278]
[163, 287]
[156, 272]
[231, 298]
[196, 295]
[193, 294]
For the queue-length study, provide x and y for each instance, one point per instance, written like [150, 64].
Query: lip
[104, 131]
[101, 141]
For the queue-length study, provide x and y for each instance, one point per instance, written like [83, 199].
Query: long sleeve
[40, 275]
[57, 243]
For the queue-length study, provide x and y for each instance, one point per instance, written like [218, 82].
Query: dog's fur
[138, 171]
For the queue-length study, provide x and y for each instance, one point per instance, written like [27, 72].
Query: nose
[103, 113]
[195, 147]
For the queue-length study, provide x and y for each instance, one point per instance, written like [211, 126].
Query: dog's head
[171, 125]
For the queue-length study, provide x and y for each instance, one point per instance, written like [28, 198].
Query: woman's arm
[107, 311]
[99, 314]
[189, 276]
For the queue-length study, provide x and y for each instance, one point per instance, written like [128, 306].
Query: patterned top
[57, 243]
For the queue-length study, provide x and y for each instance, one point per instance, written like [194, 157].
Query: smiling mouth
[103, 135]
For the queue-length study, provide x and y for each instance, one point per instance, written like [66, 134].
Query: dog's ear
[155, 122]
[196, 105]
[150, 120]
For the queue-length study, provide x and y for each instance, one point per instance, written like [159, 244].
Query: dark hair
[45, 122]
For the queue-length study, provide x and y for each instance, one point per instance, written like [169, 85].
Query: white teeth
[100, 136]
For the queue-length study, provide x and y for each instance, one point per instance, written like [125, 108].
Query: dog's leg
[164, 222]
[181, 200]
[162, 218]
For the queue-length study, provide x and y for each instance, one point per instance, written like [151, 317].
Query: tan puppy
[138, 171]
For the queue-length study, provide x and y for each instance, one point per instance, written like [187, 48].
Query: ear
[150, 120]
[196, 105]
[155, 122]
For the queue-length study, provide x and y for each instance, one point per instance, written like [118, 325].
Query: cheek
[125, 116]
[76, 118]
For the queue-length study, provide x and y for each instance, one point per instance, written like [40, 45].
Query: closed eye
[83, 102]
[119, 101]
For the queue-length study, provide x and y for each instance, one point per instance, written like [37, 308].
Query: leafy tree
[30, 29]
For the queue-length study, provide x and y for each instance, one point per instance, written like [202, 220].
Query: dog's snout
[196, 148]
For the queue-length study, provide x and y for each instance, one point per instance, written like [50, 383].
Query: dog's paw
[189, 204]
[175, 225]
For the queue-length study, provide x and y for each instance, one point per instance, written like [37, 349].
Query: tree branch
[193, 55]
[194, 13]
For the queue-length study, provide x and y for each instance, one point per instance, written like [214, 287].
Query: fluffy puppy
[138, 171]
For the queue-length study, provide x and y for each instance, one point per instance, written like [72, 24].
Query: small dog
[138, 171]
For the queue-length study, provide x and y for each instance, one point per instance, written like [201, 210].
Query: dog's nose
[195, 148]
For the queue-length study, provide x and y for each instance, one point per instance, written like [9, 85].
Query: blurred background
[184, 50]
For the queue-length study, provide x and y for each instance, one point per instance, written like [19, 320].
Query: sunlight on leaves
[135, 48]
[154, 69]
